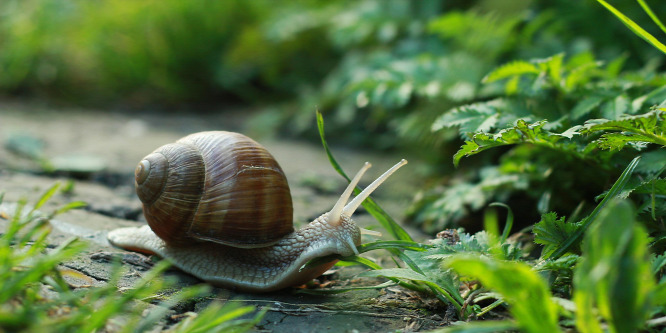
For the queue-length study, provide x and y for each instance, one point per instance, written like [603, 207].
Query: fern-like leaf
[551, 232]
[478, 117]
[522, 132]
[656, 186]
[638, 130]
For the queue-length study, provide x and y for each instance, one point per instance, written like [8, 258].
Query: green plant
[614, 283]
[597, 111]
[613, 276]
[36, 296]
[600, 118]
[605, 258]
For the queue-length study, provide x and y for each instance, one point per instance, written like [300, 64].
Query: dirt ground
[101, 149]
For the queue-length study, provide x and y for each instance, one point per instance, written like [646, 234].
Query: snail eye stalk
[334, 216]
[356, 202]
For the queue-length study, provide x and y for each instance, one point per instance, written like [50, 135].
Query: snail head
[342, 210]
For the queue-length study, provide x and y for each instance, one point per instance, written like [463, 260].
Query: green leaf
[340, 290]
[69, 206]
[45, 197]
[585, 106]
[656, 186]
[525, 292]
[658, 263]
[522, 132]
[479, 117]
[579, 76]
[514, 68]
[509, 220]
[634, 27]
[656, 96]
[552, 232]
[554, 66]
[650, 13]
[217, 317]
[394, 244]
[468, 149]
[615, 108]
[649, 127]
[618, 141]
[614, 272]
[652, 162]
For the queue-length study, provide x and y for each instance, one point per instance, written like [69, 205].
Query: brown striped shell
[215, 186]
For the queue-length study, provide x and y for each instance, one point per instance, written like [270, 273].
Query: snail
[218, 206]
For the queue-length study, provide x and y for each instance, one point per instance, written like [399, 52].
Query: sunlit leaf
[521, 287]
[512, 69]
[634, 27]
[614, 272]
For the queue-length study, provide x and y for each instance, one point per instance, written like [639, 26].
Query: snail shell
[208, 186]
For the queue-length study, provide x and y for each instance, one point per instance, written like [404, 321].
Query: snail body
[218, 207]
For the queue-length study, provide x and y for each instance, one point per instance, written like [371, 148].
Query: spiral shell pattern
[215, 186]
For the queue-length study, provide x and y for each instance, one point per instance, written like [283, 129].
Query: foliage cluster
[559, 122]
[361, 60]
[556, 124]
[389, 88]
[600, 271]
[35, 295]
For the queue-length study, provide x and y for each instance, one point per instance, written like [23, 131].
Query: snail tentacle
[351, 207]
[334, 215]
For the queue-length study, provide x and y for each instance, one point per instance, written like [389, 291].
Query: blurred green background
[364, 59]
[381, 71]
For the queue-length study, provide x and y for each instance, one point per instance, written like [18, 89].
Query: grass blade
[654, 17]
[509, 221]
[612, 193]
[640, 32]
[395, 244]
[68, 207]
[45, 197]
[408, 274]
[373, 208]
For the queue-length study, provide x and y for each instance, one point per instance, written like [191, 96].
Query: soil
[99, 151]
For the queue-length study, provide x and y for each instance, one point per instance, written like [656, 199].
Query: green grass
[36, 297]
